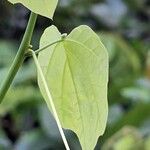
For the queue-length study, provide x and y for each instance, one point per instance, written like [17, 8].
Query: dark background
[124, 28]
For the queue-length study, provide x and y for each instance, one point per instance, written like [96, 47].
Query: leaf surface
[76, 71]
[42, 7]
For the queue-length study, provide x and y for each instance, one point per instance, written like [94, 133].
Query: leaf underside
[42, 7]
[76, 71]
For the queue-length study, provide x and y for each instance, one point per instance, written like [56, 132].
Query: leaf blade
[77, 75]
[42, 7]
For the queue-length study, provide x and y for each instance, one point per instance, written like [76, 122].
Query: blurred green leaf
[135, 117]
[127, 138]
[139, 92]
[116, 45]
[147, 143]
[136, 94]
[7, 52]
[17, 96]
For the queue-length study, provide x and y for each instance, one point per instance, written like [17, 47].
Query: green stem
[49, 45]
[40, 72]
[28, 53]
[19, 57]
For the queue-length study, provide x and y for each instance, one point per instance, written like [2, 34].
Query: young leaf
[76, 71]
[42, 7]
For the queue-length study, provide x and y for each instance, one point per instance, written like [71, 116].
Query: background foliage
[123, 25]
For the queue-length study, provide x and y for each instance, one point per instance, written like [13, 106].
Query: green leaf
[76, 72]
[42, 7]
[7, 53]
[17, 96]
[128, 138]
[132, 117]
[147, 143]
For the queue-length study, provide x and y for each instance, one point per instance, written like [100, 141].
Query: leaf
[117, 46]
[76, 72]
[147, 143]
[132, 117]
[42, 7]
[128, 138]
[17, 96]
[7, 52]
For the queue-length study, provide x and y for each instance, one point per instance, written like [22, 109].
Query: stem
[50, 99]
[19, 57]
[43, 48]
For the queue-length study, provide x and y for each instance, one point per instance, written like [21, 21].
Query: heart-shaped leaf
[76, 71]
[42, 7]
